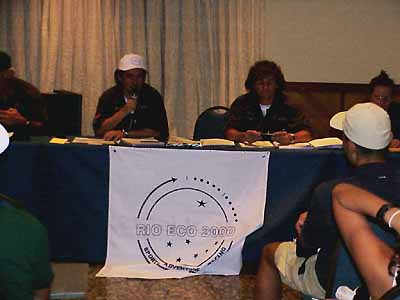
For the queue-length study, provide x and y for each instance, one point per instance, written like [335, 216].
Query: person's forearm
[42, 294]
[143, 133]
[357, 199]
[302, 136]
[36, 124]
[110, 123]
[363, 202]
[235, 135]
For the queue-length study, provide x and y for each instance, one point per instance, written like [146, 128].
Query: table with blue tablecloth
[66, 187]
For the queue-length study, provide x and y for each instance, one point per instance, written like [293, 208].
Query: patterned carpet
[191, 288]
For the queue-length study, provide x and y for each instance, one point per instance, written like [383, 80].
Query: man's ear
[352, 150]
[351, 145]
[10, 73]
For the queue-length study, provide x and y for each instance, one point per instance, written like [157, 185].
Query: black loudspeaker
[64, 110]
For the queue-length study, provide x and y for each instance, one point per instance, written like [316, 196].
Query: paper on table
[261, 144]
[141, 142]
[181, 140]
[332, 142]
[296, 146]
[216, 142]
[58, 141]
[92, 141]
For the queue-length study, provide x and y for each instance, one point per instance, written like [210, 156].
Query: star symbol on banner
[178, 259]
[202, 203]
[169, 244]
[188, 242]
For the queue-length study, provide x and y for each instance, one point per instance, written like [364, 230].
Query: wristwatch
[292, 138]
[124, 132]
[382, 211]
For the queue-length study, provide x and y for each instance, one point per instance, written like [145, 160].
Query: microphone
[134, 95]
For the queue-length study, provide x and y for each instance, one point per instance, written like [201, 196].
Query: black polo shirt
[320, 232]
[150, 111]
[27, 99]
[394, 114]
[245, 114]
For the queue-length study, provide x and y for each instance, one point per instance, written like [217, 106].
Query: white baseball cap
[4, 139]
[365, 124]
[131, 61]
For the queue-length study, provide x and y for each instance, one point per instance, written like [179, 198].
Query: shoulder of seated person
[151, 92]
[24, 86]
[244, 100]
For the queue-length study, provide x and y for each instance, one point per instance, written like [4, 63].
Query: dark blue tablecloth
[66, 187]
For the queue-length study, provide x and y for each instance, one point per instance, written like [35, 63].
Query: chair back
[344, 269]
[211, 123]
[64, 110]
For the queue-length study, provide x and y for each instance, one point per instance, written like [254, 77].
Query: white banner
[177, 213]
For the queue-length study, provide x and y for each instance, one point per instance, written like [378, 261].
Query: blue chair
[211, 123]
[343, 270]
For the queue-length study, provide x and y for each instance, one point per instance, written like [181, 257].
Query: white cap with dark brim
[132, 61]
[366, 124]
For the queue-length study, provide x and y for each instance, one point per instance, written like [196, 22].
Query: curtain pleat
[198, 51]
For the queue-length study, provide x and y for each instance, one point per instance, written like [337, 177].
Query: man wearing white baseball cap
[131, 108]
[366, 125]
[304, 265]
[25, 269]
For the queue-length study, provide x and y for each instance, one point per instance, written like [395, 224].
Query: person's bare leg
[268, 282]
[371, 255]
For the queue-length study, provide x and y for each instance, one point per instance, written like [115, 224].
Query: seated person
[381, 89]
[263, 110]
[22, 109]
[131, 108]
[25, 270]
[351, 207]
[304, 265]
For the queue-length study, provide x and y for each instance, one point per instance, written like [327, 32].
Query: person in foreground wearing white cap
[304, 265]
[131, 108]
[25, 269]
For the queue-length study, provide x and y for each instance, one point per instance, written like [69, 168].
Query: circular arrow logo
[185, 224]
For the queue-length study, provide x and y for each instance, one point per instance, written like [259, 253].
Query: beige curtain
[198, 51]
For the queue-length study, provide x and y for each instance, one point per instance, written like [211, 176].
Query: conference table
[66, 187]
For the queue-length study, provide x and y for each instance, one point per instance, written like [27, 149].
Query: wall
[334, 41]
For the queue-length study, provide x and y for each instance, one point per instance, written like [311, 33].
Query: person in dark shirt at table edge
[131, 108]
[22, 109]
[381, 92]
[263, 110]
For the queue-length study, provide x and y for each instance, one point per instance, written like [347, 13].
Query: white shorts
[288, 264]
